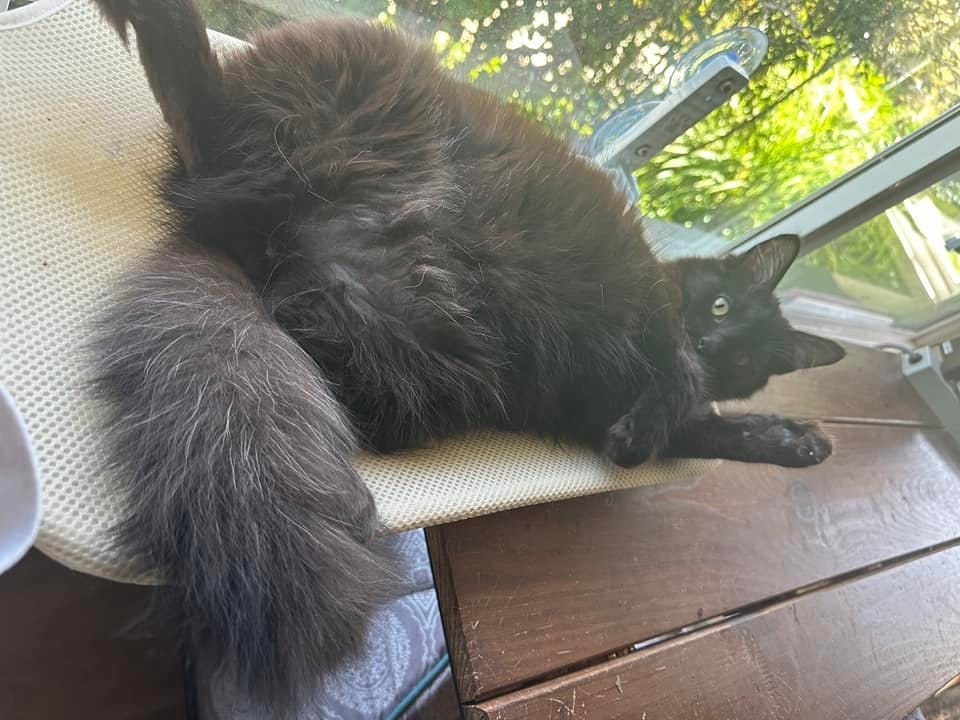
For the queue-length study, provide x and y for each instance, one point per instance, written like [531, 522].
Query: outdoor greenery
[842, 79]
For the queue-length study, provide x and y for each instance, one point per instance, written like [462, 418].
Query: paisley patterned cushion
[406, 642]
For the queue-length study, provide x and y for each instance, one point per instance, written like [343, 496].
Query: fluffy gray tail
[235, 463]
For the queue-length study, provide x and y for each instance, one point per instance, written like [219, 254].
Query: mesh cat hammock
[80, 139]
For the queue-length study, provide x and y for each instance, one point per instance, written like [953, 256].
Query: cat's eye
[721, 306]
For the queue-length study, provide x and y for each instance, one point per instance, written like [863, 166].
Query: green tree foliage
[842, 79]
[236, 18]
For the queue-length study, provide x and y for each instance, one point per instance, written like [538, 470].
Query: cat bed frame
[80, 139]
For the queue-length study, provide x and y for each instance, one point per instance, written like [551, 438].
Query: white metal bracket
[924, 369]
[715, 83]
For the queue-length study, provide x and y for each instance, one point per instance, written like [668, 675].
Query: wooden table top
[754, 592]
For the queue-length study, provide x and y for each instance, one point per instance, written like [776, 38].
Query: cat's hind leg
[184, 73]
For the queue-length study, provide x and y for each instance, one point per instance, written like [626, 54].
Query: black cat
[365, 252]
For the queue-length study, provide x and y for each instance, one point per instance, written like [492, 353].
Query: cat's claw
[798, 444]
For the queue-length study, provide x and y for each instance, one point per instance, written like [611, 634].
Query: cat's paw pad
[623, 446]
[799, 444]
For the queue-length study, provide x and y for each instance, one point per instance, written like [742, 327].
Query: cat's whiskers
[299, 173]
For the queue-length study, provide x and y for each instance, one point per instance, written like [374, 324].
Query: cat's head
[734, 320]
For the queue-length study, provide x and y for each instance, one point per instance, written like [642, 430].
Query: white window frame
[907, 167]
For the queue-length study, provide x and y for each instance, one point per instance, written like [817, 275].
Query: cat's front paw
[793, 443]
[623, 446]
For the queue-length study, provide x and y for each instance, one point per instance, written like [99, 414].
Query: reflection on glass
[895, 264]
[841, 80]
[743, 45]
[617, 125]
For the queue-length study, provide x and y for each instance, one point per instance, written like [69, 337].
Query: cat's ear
[769, 261]
[810, 351]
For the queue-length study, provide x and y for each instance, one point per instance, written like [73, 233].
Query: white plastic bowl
[19, 486]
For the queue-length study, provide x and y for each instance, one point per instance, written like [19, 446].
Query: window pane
[896, 263]
[842, 80]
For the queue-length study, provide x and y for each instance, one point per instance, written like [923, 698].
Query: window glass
[896, 264]
[841, 80]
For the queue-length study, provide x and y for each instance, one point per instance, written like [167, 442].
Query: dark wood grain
[538, 590]
[66, 652]
[870, 649]
[441, 702]
[461, 659]
[867, 385]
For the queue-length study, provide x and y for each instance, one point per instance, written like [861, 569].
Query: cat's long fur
[365, 252]
[241, 490]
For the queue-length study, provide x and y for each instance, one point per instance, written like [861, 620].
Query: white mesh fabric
[80, 138]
